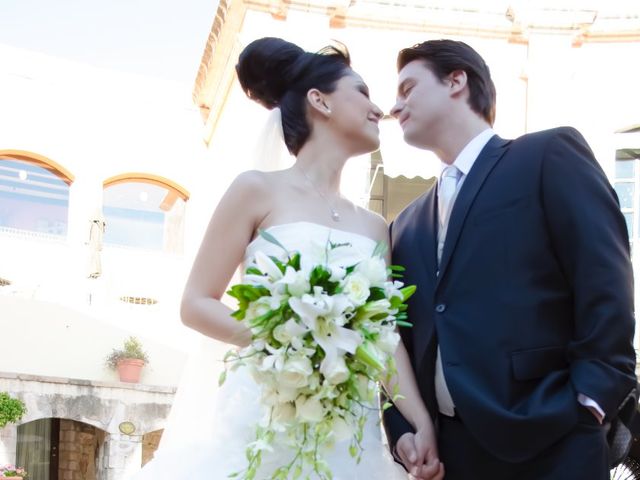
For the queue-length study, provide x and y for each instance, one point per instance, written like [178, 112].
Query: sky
[158, 38]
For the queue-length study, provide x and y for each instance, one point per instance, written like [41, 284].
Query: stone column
[8, 444]
[123, 456]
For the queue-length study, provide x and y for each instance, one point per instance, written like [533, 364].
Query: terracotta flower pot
[10, 478]
[129, 370]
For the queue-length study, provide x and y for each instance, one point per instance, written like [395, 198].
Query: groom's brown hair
[445, 56]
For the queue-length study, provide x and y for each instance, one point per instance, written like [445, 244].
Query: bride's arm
[222, 250]
[418, 451]
[410, 404]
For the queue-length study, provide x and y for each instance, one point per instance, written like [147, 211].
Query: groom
[523, 319]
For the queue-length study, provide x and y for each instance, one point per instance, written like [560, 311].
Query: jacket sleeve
[589, 237]
[395, 424]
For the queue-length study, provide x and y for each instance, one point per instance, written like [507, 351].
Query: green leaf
[254, 271]
[294, 261]
[222, 378]
[408, 291]
[353, 451]
[380, 250]
[402, 323]
[366, 356]
[376, 293]
[270, 238]
[11, 409]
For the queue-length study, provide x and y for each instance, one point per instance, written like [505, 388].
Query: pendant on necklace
[335, 216]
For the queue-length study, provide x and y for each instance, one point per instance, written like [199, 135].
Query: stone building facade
[102, 430]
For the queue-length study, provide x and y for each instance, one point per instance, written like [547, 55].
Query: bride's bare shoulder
[254, 184]
[258, 180]
[376, 224]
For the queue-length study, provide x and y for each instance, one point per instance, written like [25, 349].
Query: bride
[326, 118]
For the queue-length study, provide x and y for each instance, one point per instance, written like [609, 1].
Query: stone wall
[92, 445]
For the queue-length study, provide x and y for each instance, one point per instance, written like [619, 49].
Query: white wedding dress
[210, 426]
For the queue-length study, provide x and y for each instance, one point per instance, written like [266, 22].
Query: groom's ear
[318, 102]
[457, 81]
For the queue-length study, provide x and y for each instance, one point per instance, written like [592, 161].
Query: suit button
[441, 307]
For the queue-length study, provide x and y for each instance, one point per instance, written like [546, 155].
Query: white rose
[288, 331]
[314, 381]
[284, 413]
[356, 288]
[309, 409]
[388, 340]
[374, 269]
[337, 372]
[269, 395]
[287, 394]
[258, 308]
[296, 372]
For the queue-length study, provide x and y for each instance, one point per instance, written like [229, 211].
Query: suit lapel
[426, 231]
[483, 165]
[425, 221]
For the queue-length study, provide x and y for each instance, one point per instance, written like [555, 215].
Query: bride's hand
[419, 454]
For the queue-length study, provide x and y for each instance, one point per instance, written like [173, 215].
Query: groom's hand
[419, 454]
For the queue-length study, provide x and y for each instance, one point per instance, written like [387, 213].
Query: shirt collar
[467, 157]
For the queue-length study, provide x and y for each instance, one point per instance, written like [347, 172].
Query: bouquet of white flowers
[324, 334]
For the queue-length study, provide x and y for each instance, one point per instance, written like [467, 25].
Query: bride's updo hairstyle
[277, 73]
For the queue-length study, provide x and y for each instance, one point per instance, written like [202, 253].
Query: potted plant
[11, 472]
[129, 360]
[11, 409]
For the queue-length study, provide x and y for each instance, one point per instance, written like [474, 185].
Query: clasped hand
[419, 454]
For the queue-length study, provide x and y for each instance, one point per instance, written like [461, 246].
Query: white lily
[297, 282]
[333, 258]
[334, 339]
[257, 280]
[344, 256]
[266, 265]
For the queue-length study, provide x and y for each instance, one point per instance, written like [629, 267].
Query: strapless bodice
[310, 240]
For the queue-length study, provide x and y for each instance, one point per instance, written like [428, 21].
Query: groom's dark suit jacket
[533, 301]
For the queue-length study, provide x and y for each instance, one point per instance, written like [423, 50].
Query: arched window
[144, 211]
[34, 193]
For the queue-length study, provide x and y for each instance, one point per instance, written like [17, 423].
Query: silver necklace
[335, 216]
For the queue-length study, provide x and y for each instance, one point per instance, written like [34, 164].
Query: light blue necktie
[447, 193]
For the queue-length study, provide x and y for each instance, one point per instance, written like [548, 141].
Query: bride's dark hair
[277, 73]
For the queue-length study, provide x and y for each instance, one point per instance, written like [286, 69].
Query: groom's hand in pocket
[419, 454]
